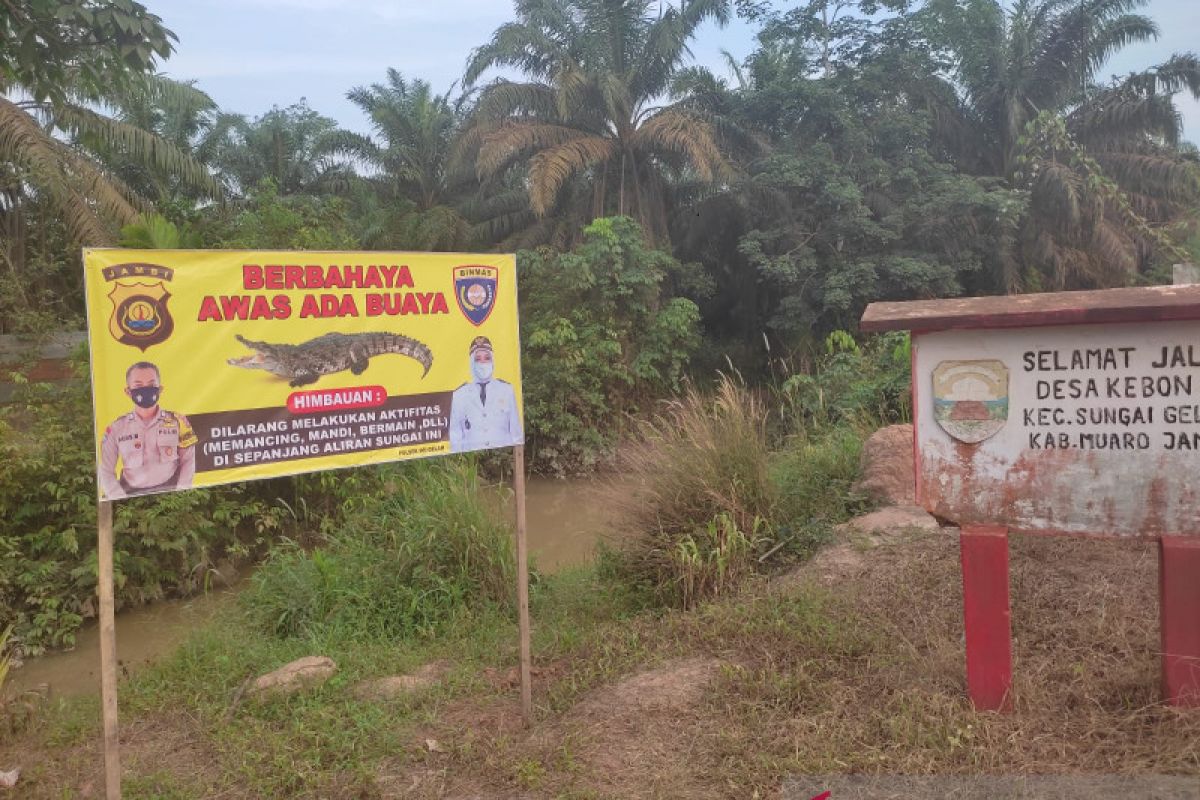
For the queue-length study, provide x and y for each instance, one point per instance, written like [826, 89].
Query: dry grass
[866, 677]
[695, 494]
[873, 679]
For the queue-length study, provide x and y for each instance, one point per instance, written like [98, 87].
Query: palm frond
[513, 140]
[552, 167]
[682, 133]
[138, 144]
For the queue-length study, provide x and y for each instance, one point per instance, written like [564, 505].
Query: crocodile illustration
[306, 362]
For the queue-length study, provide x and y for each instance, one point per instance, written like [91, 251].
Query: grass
[408, 562]
[815, 474]
[695, 500]
[859, 674]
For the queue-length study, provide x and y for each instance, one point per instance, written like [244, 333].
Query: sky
[250, 55]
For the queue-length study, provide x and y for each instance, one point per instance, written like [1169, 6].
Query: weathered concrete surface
[886, 465]
[298, 674]
[393, 686]
[1099, 429]
[1094, 307]
[850, 553]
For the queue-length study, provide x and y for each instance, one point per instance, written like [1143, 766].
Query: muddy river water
[564, 522]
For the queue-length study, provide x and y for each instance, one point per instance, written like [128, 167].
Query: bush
[694, 499]
[408, 562]
[863, 384]
[814, 475]
[600, 337]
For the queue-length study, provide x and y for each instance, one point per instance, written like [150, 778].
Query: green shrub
[600, 337]
[715, 559]
[866, 383]
[813, 475]
[406, 563]
[694, 500]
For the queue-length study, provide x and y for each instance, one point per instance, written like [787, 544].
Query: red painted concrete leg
[986, 615]
[1179, 607]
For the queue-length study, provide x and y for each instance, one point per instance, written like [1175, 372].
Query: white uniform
[479, 423]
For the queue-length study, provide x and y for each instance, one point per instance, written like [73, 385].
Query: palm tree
[408, 155]
[54, 150]
[1101, 163]
[414, 129]
[597, 71]
[61, 92]
[180, 116]
[297, 148]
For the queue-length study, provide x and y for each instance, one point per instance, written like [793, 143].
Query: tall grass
[405, 564]
[694, 498]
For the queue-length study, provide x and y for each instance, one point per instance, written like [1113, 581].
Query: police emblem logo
[970, 398]
[475, 291]
[140, 315]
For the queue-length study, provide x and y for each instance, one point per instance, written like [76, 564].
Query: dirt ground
[849, 668]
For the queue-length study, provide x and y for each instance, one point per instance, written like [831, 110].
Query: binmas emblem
[970, 398]
[140, 317]
[475, 291]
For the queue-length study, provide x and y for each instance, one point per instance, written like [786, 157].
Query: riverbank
[850, 664]
[565, 522]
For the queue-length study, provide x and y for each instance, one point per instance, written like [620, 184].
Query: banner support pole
[108, 651]
[523, 585]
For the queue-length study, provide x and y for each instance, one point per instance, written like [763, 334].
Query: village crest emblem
[140, 317]
[475, 290]
[970, 398]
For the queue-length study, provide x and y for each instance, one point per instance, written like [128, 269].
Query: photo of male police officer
[156, 447]
[483, 411]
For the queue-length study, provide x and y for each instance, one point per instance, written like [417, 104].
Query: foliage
[597, 71]
[177, 114]
[269, 220]
[156, 232]
[415, 183]
[295, 147]
[814, 474]
[89, 44]
[1012, 64]
[407, 563]
[600, 336]
[867, 385]
[714, 560]
[695, 500]
[414, 129]
[65, 144]
[850, 204]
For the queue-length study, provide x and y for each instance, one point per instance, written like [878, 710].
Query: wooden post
[1179, 609]
[523, 585]
[986, 616]
[108, 652]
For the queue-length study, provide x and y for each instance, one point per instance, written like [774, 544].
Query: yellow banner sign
[216, 366]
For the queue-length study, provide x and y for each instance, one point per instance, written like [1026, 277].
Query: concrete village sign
[1064, 413]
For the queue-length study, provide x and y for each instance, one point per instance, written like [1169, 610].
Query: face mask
[481, 370]
[145, 396]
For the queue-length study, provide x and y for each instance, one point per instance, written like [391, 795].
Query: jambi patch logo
[475, 291]
[140, 317]
[970, 398]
